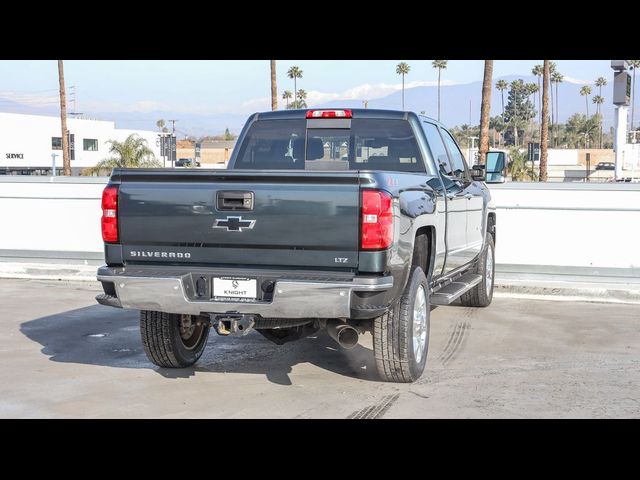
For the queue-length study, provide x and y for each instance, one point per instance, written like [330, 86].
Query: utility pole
[66, 163]
[365, 103]
[72, 93]
[173, 126]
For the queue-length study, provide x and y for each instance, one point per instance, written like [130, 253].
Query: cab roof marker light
[329, 114]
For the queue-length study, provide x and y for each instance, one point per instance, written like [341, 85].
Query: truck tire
[401, 336]
[482, 294]
[172, 340]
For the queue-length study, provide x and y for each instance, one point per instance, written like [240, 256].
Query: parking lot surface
[63, 355]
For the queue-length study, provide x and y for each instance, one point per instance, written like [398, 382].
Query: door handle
[468, 196]
[451, 196]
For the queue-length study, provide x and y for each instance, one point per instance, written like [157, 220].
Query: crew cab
[352, 221]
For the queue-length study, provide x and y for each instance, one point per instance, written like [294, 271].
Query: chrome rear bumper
[291, 298]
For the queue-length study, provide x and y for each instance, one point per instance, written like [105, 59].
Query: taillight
[329, 114]
[377, 220]
[110, 214]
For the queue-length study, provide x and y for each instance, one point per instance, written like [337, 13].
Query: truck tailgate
[305, 219]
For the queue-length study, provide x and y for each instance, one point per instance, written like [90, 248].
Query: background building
[27, 143]
[212, 152]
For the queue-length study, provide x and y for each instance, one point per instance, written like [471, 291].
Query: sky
[241, 86]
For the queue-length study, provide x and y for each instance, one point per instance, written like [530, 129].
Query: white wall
[578, 225]
[568, 224]
[31, 135]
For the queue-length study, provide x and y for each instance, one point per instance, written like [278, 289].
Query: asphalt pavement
[63, 355]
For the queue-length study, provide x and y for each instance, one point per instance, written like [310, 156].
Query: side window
[457, 160]
[437, 148]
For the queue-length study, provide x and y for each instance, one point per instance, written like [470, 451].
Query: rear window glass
[370, 144]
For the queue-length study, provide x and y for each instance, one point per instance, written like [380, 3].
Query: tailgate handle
[234, 200]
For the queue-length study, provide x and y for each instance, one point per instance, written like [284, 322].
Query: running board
[447, 294]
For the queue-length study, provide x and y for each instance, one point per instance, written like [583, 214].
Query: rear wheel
[172, 340]
[401, 336]
[482, 294]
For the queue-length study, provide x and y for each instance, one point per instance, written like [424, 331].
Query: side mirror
[496, 164]
[477, 173]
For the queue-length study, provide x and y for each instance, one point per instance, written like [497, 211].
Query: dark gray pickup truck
[351, 221]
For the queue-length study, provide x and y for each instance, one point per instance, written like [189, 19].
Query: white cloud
[30, 99]
[368, 91]
[576, 81]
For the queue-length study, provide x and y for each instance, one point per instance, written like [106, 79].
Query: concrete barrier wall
[573, 225]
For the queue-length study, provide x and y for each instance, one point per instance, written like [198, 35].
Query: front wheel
[172, 340]
[401, 336]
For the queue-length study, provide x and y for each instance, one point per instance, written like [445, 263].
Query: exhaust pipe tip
[345, 335]
[348, 337]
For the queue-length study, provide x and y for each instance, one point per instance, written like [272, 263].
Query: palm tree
[532, 89]
[302, 96]
[286, 95]
[485, 111]
[538, 71]
[132, 153]
[440, 65]
[274, 87]
[66, 162]
[402, 69]
[635, 64]
[502, 85]
[557, 78]
[600, 82]
[585, 91]
[544, 132]
[160, 124]
[598, 100]
[295, 73]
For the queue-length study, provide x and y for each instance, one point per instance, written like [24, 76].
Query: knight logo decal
[234, 224]
[235, 283]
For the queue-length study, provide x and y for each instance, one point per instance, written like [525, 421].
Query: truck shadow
[104, 336]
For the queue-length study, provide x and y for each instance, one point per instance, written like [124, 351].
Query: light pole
[621, 99]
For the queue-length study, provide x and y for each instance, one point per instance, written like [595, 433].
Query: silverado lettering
[352, 221]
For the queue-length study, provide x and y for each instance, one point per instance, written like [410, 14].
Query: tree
[295, 73]
[402, 69]
[581, 130]
[538, 70]
[274, 87]
[286, 95]
[585, 91]
[133, 152]
[600, 82]
[544, 132]
[300, 101]
[518, 112]
[228, 136]
[557, 78]
[440, 65]
[518, 167]
[635, 64]
[66, 162]
[532, 89]
[161, 125]
[485, 110]
[597, 100]
[502, 85]
[497, 125]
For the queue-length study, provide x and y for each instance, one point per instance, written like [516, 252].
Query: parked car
[186, 162]
[606, 166]
[351, 221]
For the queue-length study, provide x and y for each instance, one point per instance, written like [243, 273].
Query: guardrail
[542, 227]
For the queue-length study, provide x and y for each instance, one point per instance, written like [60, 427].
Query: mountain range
[460, 104]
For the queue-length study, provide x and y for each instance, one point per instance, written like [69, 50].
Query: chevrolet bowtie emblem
[233, 224]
